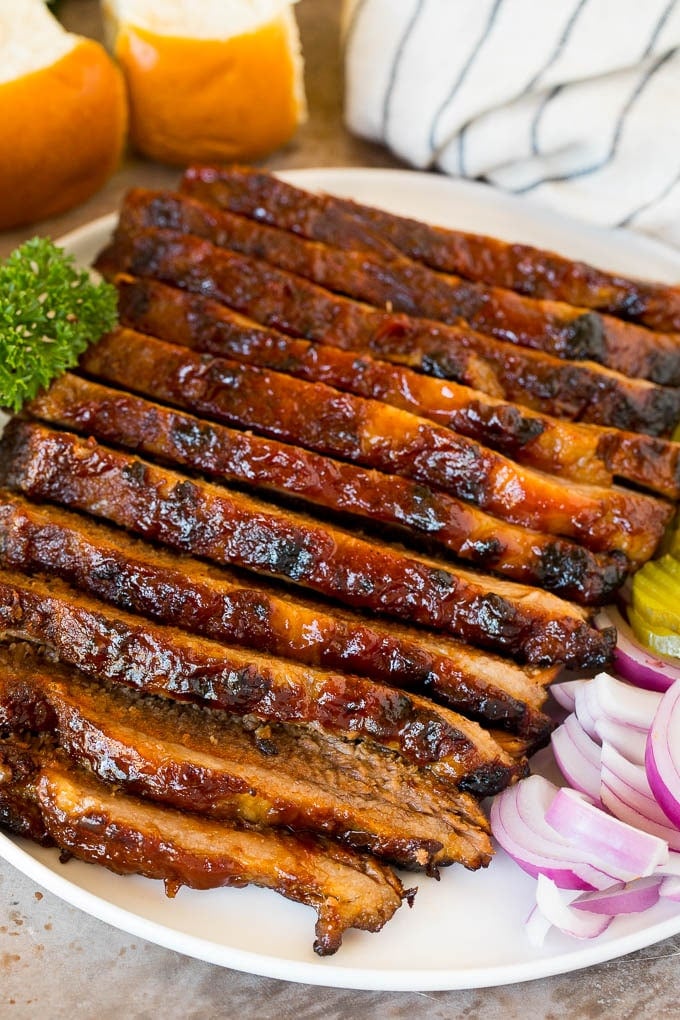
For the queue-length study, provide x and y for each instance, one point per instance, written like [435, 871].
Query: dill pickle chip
[658, 638]
[656, 577]
[670, 567]
[654, 610]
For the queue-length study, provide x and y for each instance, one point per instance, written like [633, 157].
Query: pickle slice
[669, 564]
[657, 608]
[662, 578]
[656, 594]
[658, 638]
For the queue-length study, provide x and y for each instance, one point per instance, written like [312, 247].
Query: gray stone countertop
[57, 962]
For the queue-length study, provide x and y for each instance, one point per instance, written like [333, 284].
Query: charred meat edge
[406, 285]
[586, 453]
[582, 391]
[95, 822]
[409, 286]
[105, 642]
[528, 270]
[375, 435]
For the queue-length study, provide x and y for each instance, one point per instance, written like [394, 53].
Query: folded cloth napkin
[575, 103]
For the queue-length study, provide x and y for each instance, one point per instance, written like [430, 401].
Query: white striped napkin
[575, 103]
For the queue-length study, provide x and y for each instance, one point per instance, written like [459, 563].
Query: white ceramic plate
[467, 930]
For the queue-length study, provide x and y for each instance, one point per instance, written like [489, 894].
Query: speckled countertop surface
[57, 962]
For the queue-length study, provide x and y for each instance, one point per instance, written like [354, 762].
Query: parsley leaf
[50, 311]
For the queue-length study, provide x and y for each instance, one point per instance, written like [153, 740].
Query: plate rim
[26, 858]
[315, 972]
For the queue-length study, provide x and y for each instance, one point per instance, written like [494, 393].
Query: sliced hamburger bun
[62, 115]
[215, 80]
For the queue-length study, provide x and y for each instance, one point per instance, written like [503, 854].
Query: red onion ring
[670, 888]
[583, 709]
[621, 702]
[518, 824]
[578, 757]
[624, 851]
[639, 665]
[622, 898]
[630, 743]
[621, 746]
[565, 693]
[662, 757]
[536, 927]
[618, 772]
[617, 797]
[581, 923]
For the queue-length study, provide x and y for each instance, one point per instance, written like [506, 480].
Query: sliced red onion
[607, 752]
[623, 851]
[622, 898]
[616, 798]
[619, 773]
[629, 742]
[584, 704]
[635, 663]
[672, 865]
[662, 758]
[670, 875]
[518, 824]
[578, 757]
[604, 707]
[626, 793]
[565, 693]
[622, 703]
[581, 924]
[536, 927]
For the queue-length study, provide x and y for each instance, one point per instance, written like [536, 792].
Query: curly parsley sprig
[50, 311]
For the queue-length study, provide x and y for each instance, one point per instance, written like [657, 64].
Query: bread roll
[216, 80]
[62, 115]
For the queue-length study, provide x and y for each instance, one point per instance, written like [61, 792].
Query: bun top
[30, 39]
[208, 19]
